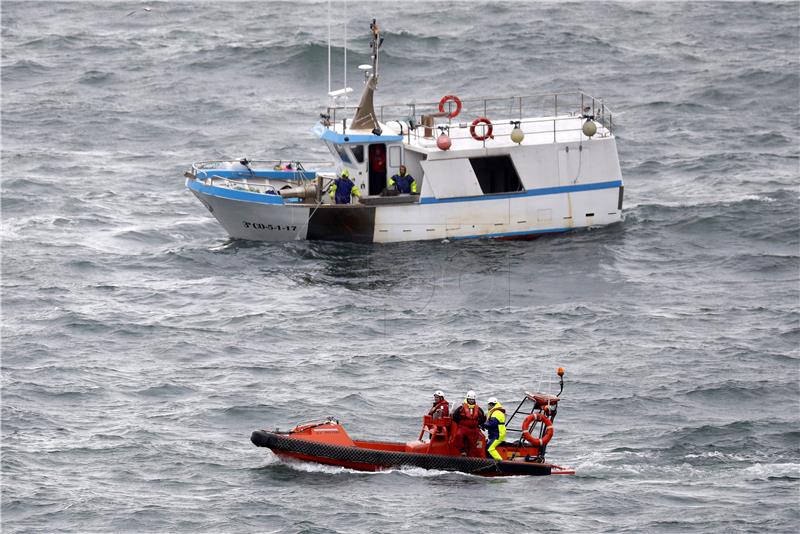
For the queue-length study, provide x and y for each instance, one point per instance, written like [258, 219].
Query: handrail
[415, 132]
[577, 100]
[243, 178]
[255, 187]
[213, 164]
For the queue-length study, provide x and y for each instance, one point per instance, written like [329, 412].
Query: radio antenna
[345, 52]
[329, 46]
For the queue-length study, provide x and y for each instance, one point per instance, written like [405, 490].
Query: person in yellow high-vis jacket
[496, 426]
[343, 188]
[403, 182]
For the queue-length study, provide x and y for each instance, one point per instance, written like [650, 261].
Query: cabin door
[377, 168]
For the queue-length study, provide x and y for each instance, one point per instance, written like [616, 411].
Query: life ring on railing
[548, 432]
[446, 99]
[487, 135]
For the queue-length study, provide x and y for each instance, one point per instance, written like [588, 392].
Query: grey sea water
[140, 346]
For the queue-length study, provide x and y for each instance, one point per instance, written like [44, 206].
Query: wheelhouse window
[395, 156]
[358, 152]
[337, 149]
[496, 174]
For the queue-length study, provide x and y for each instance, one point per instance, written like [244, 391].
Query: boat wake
[414, 472]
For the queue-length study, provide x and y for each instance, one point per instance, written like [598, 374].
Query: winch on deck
[307, 192]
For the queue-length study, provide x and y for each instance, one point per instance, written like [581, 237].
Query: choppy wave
[141, 347]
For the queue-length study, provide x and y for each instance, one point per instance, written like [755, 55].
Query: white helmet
[470, 395]
[438, 393]
[492, 400]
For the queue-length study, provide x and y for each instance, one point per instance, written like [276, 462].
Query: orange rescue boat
[327, 442]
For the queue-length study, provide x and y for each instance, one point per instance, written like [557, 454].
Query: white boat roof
[537, 131]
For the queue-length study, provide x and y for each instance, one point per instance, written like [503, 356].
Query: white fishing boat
[497, 167]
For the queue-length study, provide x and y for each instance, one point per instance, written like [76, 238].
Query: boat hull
[368, 459]
[252, 216]
[259, 217]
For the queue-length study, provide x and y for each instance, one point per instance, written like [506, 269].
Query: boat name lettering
[262, 226]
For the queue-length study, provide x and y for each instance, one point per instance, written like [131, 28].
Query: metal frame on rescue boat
[546, 406]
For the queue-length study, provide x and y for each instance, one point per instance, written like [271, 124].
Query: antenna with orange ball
[560, 373]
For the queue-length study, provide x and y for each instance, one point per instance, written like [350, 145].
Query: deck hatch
[496, 174]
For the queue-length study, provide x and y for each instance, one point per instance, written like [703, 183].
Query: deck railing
[221, 173]
[554, 106]
[258, 165]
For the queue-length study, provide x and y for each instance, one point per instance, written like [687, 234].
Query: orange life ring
[487, 135]
[446, 99]
[548, 432]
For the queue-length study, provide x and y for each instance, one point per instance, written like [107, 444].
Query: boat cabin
[371, 159]
[454, 161]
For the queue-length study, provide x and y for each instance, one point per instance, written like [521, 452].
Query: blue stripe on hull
[514, 234]
[531, 193]
[234, 194]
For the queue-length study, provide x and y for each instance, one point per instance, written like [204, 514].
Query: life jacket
[470, 416]
[440, 409]
[344, 187]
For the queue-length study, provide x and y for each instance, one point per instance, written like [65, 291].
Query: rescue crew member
[469, 418]
[342, 189]
[496, 426]
[440, 408]
[403, 182]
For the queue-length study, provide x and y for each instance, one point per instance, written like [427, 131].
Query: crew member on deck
[496, 425]
[440, 408]
[403, 182]
[343, 188]
[469, 417]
